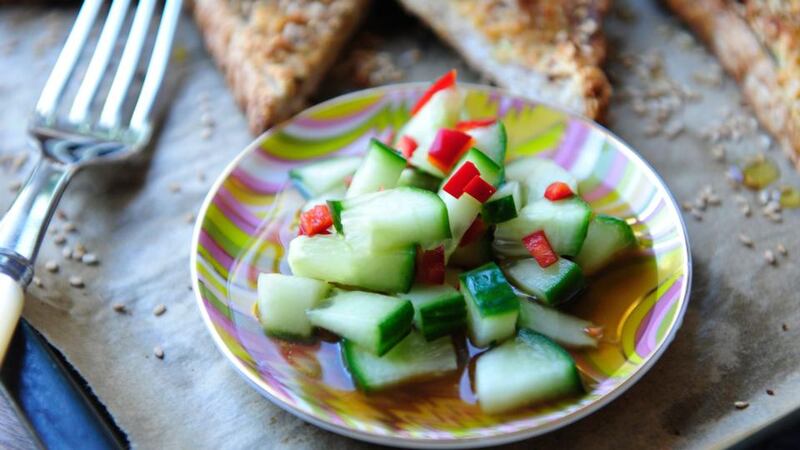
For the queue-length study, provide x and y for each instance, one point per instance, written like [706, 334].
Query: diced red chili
[479, 189]
[316, 220]
[446, 80]
[406, 145]
[431, 266]
[558, 191]
[466, 125]
[539, 247]
[447, 148]
[460, 178]
[474, 232]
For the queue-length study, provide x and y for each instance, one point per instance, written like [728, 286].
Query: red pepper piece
[406, 145]
[558, 191]
[447, 148]
[459, 180]
[479, 189]
[446, 80]
[431, 266]
[466, 125]
[539, 247]
[474, 232]
[316, 220]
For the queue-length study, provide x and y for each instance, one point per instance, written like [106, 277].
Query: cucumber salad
[434, 237]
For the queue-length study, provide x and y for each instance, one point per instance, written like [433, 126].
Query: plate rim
[475, 442]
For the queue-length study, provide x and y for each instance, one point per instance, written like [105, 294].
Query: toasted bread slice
[758, 43]
[274, 53]
[543, 49]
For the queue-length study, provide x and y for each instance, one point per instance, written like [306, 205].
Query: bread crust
[260, 49]
[739, 51]
[560, 71]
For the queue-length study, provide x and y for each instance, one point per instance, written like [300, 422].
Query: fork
[69, 142]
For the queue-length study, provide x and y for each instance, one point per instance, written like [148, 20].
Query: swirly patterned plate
[250, 215]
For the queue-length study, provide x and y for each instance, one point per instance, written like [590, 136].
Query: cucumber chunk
[536, 174]
[394, 218]
[283, 301]
[492, 307]
[438, 310]
[335, 193]
[472, 255]
[552, 285]
[373, 321]
[607, 237]
[564, 329]
[565, 223]
[413, 359]
[319, 177]
[491, 140]
[504, 205]
[380, 169]
[335, 260]
[526, 370]
[411, 177]
[490, 170]
[441, 111]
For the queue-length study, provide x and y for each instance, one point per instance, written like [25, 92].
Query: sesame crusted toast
[275, 52]
[758, 43]
[544, 49]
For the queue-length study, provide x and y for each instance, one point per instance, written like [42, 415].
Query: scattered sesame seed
[120, 308]
[175, 187]
[158, 352]
[14, 185]
[745, 239]
[700, 203]
[51, 266]
[784, 327]
[698, 215]
[70, 227]
[159, 310]
[60, 239]
[739, 198]
[687, 206]
[189, 218]
[78, 252]
[770, 392]
[66, 253]
[89, 259]
[718, 152]
[782, 250]
[207, 120]
[763, 198]
[76, 281]
[745, 209]
[769, 257]
[740, 404]
[775, 217]
[205, 133]
[53, 230]
[37, 281]
[61, 214]
[714, 199]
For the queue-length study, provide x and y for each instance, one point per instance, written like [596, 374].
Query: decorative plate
[250, 215]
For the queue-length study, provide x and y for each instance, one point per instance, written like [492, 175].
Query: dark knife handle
[52, 399]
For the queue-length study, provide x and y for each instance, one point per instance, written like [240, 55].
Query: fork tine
[67, 59]
[99, 61]
[157, 66]
[109, 116]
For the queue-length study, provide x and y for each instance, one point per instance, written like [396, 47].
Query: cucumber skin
[533, 338]
[451, 315]
[388, 155]
[473, 254]
[490, 171]
[411, 177]
[396, 321]
[500, 210]
[560, 293]
[490, 289]
[514, 229]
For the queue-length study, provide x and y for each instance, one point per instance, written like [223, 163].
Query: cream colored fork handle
[11, 297]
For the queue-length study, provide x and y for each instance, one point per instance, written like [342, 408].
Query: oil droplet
[790, 197]
[760, 173]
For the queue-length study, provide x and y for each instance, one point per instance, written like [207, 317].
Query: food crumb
[769, 257]
[37, 281]
[784, 327]
[741, 404]
[61, 214]
[51, 266]
[158, 352]
[782, 250]
[76, 282]
[159, 310]
[745, 239]
[175, 187]
[119, 308]
[770, 392]
[89, 259]
[66, 253]
[70, 227]
[60, 239]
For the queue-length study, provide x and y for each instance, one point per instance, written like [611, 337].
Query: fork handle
[10, 310]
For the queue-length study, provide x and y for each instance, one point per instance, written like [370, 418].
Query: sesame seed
[175, 187]
[770, 392]
[700, 203]
[698, 215]
[207, 120]
[14, 185]
[51, 266]
[769, 257]
[76, 282]
[66, 253]
[61, 214]
[714, 200]
[89, 259]
[120, 308]
[763, 198]
[53, 230]
[740, 404]
[745, 209]
[205, 133]
[784, 327]
[70, 227]
[745, 239]
[189, 218]
[687, 206]
[37, 281]
[782, 250]
[718, 152]
[78, 252]
[158, 352]
[739, 198]
[60, 239]
[159, 310]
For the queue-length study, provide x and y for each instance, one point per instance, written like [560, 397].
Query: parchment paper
[731, 348]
